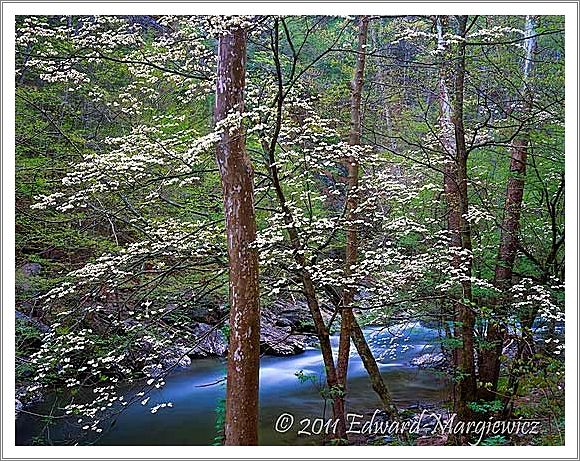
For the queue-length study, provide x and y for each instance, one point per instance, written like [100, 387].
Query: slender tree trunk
[309, 290]
[370, 364]
[368, 359]
[347, 315]
[450, 178]
[350, 328]
[468, 383]
[241, 425]
[455, 185]
[322, 331]
[490, 356]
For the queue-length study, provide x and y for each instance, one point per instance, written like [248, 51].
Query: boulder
[277, 340]
[211, 343]
[278, 330]
[286, 313]
[174, 357]
[177, 356]
[31, 269]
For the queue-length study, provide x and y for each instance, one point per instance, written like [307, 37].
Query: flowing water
[191, 420]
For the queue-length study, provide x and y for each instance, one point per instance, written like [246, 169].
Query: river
[191, 420]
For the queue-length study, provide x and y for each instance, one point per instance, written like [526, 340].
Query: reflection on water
[191, 420]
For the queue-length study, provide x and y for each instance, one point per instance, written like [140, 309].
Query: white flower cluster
[528, 295]
[495, 33]
[222, 25]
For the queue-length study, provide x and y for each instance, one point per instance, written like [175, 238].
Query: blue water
[191, 420]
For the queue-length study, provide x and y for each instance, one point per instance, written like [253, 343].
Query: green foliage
[27, 341]
[494, 441]
[330, 393]
[220, 421]
[305, 378]
[451, 342]
[483, 406]
[225, 329]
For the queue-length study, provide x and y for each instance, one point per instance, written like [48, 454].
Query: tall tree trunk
[241, 425]
[490, 356]
[309, 290]
[455, 186]
[349, 327]
[468, 384]
[450, 179]
[347, 315]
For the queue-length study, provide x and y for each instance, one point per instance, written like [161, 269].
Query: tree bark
[241, 424]
[347, 315]
[322, 331]
[309, 290]
[455, 186]
[468, 384]
[490, 356]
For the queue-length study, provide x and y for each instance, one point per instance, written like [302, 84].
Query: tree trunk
[322, 332]
[455, 185]
[349, 327]
[309, 290]
[490, 356]
[347, 315]
[468, 384]
[241, 425]
[368, 359]
[450, 179]
[372, 369]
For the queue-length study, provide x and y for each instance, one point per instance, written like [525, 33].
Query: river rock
[289, 313]
[211, 343]
[429, 360]
[277, 340]
[154, 362]
[278, 333]
[177, 356]
[18, 408]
